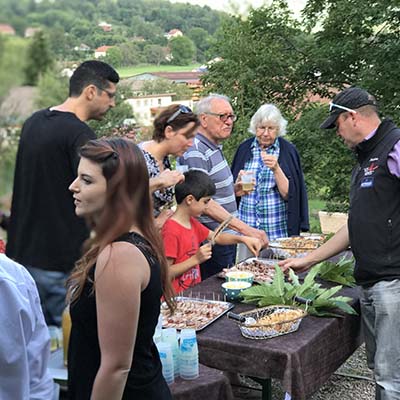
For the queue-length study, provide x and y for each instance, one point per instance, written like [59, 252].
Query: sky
[225, 5]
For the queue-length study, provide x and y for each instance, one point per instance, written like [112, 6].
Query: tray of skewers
[196, 313]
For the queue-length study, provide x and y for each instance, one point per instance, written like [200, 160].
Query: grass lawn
[126, 72]
[315, 205]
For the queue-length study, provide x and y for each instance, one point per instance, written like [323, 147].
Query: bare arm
[217, 212]
[253, 244]
[167, 178]
[339, 242]
[118, 290]
[282, 182]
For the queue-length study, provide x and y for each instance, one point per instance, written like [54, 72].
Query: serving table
[303, 361]
[211, 384]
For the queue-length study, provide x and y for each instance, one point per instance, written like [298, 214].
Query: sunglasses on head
[333, 105]
[181, 110]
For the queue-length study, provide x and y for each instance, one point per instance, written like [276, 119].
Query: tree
[358, 43]
[53, 89]
[114, 57]
[201, 39]
[154, 54]
[260, 56]
[131, 54]
[326, 161]
[12, 63]
[39, 58]
[182, 50]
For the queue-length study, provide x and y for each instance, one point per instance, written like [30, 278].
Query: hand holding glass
[248, 181]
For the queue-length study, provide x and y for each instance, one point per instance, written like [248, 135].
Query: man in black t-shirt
[44, 234]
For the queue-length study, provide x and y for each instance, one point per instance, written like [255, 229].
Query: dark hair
[127, 201]
[92, 72]
[179, 122]
[197, 183]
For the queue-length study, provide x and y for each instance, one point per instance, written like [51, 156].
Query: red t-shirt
[180, 244]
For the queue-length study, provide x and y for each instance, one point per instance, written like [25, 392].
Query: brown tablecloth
[210, 385]
[303, 360]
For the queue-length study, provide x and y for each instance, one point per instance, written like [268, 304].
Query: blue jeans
[380, 313]
[52, 292]
[222, 257]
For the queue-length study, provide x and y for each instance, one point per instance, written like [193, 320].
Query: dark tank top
[145, 380]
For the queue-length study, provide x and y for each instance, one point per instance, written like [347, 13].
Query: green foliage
[12, 63]
[53, 89]
[341, 272]
[114, 57]
[131, 54]
[39, 58]
[73, 22]
[323, 301]
[357, 43]
[154, 54]
[326, 161]
[182, 50]
[259, 59]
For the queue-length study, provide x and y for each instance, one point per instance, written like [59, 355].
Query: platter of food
[295, 246]
[193, 313]
[262, 268]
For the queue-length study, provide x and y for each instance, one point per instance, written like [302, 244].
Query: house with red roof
[173, 33]
[101, 51]
[7, 29]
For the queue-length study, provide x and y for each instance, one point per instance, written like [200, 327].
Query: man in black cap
[373, 230]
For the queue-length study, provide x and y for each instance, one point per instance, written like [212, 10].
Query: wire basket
[272, 321]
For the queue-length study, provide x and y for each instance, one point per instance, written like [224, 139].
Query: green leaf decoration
[280, 292]
[341, 272]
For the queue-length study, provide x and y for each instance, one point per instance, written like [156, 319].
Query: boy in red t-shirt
[183, 233]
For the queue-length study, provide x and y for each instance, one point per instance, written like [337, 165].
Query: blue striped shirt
[208, 157]
[264, 208]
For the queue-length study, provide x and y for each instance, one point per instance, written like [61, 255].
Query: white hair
[204, 104]
[268, 113]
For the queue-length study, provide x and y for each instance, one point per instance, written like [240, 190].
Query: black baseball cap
[347, 100]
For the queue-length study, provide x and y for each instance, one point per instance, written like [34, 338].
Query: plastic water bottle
[165, 351]
[189, 355]
[170, 336]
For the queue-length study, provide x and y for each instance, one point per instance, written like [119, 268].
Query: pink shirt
[393, 161]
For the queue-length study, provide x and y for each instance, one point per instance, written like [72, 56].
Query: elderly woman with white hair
[278, 204]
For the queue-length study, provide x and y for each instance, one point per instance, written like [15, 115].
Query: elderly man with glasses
[373, 230]
[216, 123]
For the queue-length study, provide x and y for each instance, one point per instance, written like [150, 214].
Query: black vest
[374, 216]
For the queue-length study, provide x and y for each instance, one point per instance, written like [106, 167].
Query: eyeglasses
[263, 129]
[181, 110]
[223, 117]
[111, 95]
[333, 105]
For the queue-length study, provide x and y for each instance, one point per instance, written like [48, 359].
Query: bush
[326, 161]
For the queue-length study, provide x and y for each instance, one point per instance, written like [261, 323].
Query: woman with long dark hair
[115, 288]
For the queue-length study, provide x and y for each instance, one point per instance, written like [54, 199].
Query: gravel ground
[338, 387]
